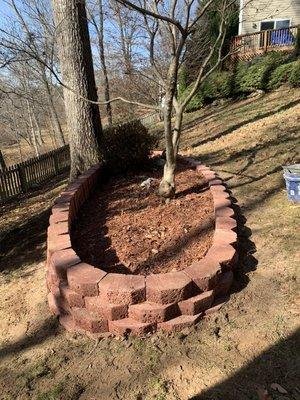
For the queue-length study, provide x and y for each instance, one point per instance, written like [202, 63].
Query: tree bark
[167, 184]
[76, 62]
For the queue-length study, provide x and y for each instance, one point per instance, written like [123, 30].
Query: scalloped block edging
[91, 301]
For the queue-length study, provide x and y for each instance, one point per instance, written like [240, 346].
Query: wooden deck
[246, 47]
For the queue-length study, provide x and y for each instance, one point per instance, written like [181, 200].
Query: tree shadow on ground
[47, 329]
[279, 364]
[215, 158]
[24, 242]
[245, 122]
[34, 192]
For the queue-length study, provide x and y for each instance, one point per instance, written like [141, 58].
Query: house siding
[255, 11]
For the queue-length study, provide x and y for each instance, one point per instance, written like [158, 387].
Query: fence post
[56, 165]
[2, 162]
[22, 175]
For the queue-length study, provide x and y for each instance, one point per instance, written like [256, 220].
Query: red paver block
[108, 311]
[209, 175]
[55, 243]
[52, 281]
[197, 304]
[169, 288]
[59, 217]
[72, 298]
[205, 273]
[224, 212]
[152, 312]
[226, 223]
[63, 198]
[224, 284]
[58, 229]
[220, 201]
[216, 182]
[84, 278]
[67, 321]
[73, 186]
[53, 302]
[61, 260]
[128, 325]
[224, 236]
[219, 189]
[122, 289]
[60, 207]
[86, 183]
[88, 321]
[224, 254]
[179, 323]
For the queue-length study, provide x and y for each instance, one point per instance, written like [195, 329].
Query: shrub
[254, 75]
[217, 85]
[196, 102]
[294, 79]
[280, 76]
[286, 73]
[297, 44]
[126, 146]
[182, 80]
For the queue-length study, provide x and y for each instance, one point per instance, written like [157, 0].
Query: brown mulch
[125, 228]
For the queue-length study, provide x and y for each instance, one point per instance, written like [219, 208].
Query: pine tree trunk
[76, 62]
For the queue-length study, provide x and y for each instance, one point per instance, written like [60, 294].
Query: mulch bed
[125, 228]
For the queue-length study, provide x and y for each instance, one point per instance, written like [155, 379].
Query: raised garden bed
[136, 265]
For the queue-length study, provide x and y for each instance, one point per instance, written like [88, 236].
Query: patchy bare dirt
[250, 344]
[126, 228]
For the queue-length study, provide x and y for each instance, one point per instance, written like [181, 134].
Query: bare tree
[76, 62]
[31, 40]
[169, 24]
[99, 28]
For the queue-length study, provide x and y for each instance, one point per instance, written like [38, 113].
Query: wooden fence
[20, 178]
[150, 119]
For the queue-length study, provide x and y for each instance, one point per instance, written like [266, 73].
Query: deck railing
[247, 46]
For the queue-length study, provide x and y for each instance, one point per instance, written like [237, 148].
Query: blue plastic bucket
[292, 180]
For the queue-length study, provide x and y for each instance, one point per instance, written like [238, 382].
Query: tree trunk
[76, 62]
[32, 130]
[103, 63]
[39, 137]
[56, 126]
[167, 184]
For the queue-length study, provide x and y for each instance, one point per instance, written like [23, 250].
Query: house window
[279, 35]
[275, 24]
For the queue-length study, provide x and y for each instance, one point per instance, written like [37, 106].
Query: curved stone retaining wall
[89, 300]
